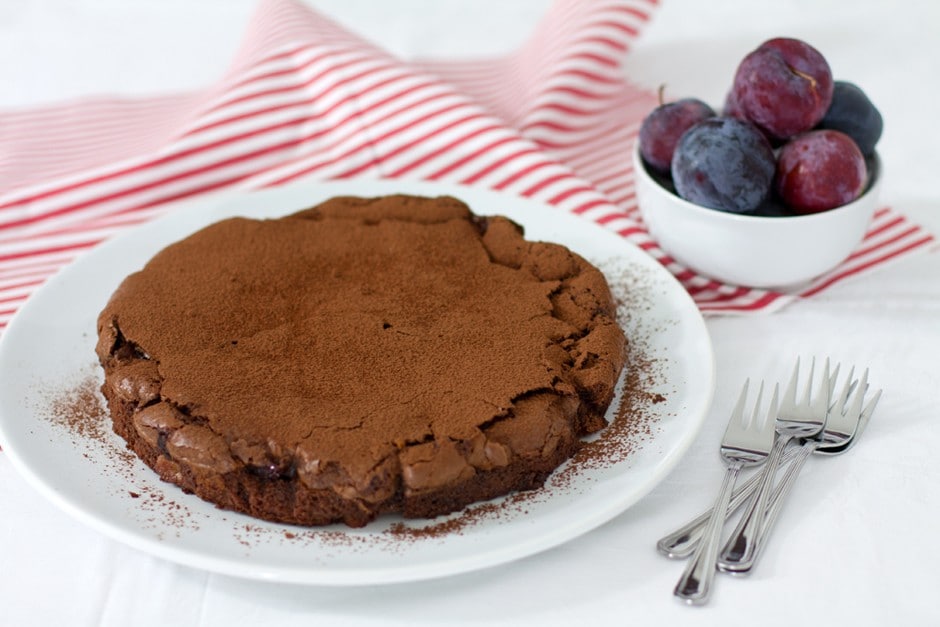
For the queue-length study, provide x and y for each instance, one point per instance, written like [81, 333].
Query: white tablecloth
[855, 544]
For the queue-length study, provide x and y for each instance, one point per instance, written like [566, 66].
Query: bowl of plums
[775, 190]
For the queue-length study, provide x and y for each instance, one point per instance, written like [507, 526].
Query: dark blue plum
[853, 113]
[724, 163]
[773, 207]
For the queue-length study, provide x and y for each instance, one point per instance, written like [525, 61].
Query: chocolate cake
[392, 354]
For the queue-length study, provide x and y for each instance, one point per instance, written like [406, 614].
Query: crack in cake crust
[396, 354]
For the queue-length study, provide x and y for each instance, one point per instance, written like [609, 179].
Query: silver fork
[682, 542]
[747, 442]
[803, 418]
[841, 446]
[841, 428]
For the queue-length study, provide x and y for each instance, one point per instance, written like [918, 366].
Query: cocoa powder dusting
[78, 409]
[634, 421]
[81, 411]
[633, 424]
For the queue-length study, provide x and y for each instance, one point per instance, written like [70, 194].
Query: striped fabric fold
[307, 100]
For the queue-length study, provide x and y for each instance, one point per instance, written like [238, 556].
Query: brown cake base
[397, 354]
[281, 498]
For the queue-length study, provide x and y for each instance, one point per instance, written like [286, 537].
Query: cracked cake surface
[367, 355]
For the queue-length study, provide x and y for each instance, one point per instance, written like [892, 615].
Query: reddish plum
[662, 128]
[732, 107]
[820, 170]
[784, 87]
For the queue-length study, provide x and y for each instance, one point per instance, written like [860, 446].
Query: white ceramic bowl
[755, 251]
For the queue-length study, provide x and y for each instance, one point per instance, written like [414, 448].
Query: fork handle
[695, 584]
[738, 552]
[780, 494]
[681, 543]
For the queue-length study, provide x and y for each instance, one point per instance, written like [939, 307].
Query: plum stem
[808, 77]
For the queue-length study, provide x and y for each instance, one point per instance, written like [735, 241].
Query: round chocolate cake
[393, 354]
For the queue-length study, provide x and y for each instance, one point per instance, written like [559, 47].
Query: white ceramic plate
[51, 343]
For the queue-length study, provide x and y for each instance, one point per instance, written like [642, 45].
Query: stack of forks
[779, 441]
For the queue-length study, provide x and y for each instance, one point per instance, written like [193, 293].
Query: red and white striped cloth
[306, 99]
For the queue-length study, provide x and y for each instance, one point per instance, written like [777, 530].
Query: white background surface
[855, 545]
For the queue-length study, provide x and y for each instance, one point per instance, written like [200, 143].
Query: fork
[745, 443]
[682, 542]
[796, 419]
[841, 427]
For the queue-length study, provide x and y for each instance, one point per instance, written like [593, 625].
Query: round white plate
[51, 342]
